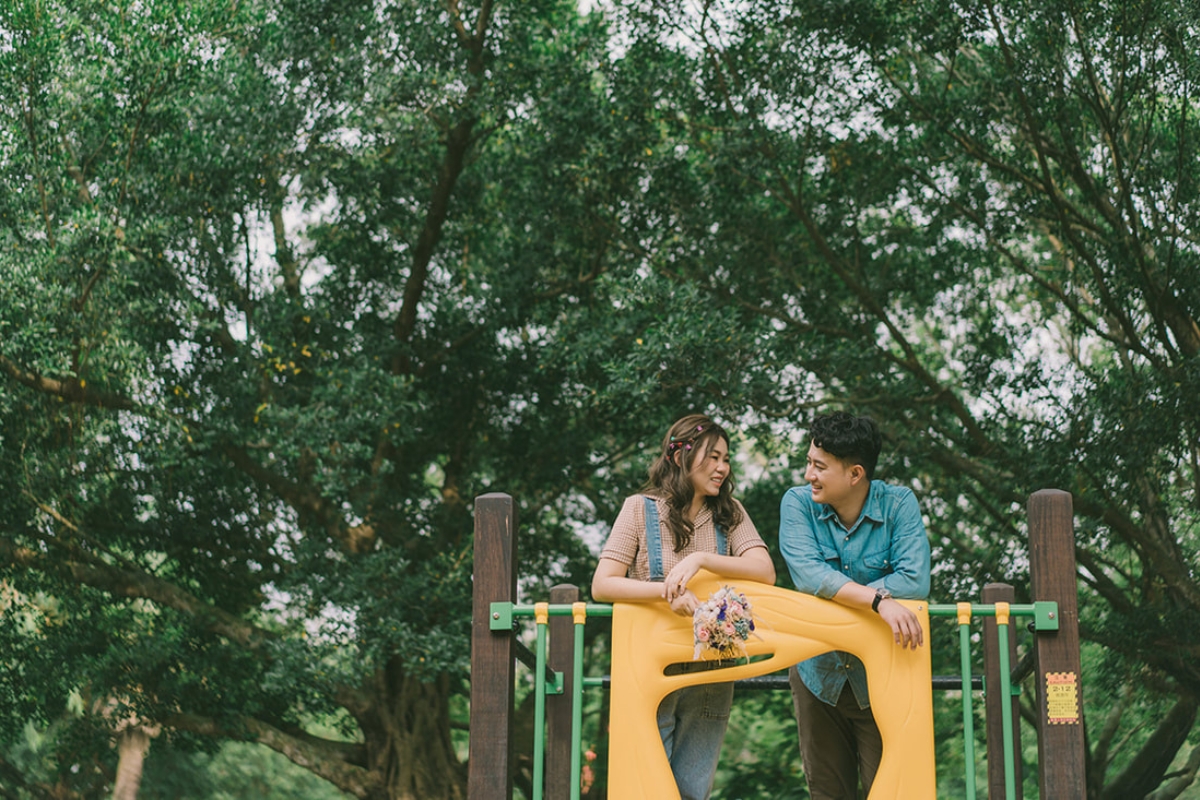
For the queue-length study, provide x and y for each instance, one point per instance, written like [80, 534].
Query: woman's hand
[677, 579]
[685, 604]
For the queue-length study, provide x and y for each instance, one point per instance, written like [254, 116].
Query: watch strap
[879, 597]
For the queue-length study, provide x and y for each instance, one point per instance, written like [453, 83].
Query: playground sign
[1062, 698]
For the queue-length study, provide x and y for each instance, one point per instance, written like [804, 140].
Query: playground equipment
[648, 641]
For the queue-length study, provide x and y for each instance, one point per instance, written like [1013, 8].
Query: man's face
[831, 479]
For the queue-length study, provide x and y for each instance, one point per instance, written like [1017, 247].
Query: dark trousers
[838, 744]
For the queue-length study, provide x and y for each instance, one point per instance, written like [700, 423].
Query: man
[859, 542]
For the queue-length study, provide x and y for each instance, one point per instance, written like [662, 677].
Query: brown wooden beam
[1061, 764]
[493, 653]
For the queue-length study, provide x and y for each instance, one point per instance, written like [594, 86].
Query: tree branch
[74, 390]
[1179, 781]
[283, 251]
[458, 142]
[336, 762]
[1148, 767]
[129, 583]
[308, 504]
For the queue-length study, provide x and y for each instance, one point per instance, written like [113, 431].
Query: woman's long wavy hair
[690, 438]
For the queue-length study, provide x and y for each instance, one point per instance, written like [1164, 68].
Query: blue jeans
[692, 724]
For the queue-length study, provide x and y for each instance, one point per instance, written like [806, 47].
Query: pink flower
[586, 778]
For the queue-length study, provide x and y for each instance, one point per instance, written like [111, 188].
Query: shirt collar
[872, 509]
[703, 515]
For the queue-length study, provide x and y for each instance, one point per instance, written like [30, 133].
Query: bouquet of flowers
[722, 624]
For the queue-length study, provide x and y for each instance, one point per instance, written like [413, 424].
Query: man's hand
[906, 628]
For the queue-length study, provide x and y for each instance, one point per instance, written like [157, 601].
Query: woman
[684, 520]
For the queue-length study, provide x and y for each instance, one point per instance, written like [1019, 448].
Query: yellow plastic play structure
[648, 637]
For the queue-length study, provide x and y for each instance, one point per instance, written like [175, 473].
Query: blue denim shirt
[885, 547]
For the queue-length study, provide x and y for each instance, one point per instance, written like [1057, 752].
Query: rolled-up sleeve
[800, 544]
[909, 577]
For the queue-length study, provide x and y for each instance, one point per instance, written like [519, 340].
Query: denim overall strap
[653, 540]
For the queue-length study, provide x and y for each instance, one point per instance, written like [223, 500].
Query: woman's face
[711, 469]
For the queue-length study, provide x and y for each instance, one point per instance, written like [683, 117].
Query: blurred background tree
[976, 221]
[286, 285]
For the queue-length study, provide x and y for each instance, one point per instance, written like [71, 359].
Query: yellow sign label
[1062, 698]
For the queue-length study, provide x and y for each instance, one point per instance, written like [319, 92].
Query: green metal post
[1010, 778]
[579, 616]
[964, 650]
[542, 616]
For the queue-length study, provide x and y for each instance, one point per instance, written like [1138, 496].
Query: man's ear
[857, 473]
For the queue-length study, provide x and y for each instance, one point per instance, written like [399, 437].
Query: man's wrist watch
[881, 594]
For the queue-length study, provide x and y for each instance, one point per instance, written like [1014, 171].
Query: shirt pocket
[878, 564]
[832, 558]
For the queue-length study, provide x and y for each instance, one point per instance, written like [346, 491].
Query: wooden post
[1061, 751]
[558, 707]
[993, 696]
[493, 653]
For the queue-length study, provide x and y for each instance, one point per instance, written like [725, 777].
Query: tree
[975, 220]
[286, 285]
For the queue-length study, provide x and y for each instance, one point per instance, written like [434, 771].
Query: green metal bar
[1042, 610]
[1006, 720]
[577, 704]
[964, 650]
[558, 609]
[1036, 610]
[539, 712]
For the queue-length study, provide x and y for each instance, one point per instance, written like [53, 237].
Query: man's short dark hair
[850, 439]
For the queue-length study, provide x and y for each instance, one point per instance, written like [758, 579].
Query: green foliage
[286, 285]
[238, 771]
[760, 757]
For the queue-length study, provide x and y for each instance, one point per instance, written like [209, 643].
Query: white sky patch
[330, 625]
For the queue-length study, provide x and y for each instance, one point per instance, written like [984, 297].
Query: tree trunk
[132, 743]
[407, 736]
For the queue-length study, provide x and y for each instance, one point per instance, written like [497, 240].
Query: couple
[845, 537]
